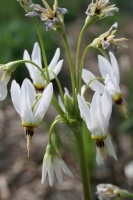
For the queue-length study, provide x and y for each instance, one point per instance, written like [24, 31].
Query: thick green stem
[77, 130]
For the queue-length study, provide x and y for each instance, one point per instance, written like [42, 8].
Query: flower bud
[68, 102]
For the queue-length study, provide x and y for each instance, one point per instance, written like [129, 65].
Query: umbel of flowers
[32, 99]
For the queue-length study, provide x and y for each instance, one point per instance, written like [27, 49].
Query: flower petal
[16, 96]
[50, 170]
[115, 67]
[44, 172]
[28, 91]
[57, 169]
[36, 55]
[61, 103]
[106, 102]
[84, 110]
[41, 107]
[29, 66]
[55, 59]
[99, 159]
[56, 70]
[27, 99]
[97, 119]
[65, 169]
[110, 148]
[95, 84]
[105, 67]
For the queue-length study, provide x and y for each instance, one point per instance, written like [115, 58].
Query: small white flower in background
[97, 121]
[53, 165]
[30, 109]
[110, 72]
[107, 191]
[55, 66]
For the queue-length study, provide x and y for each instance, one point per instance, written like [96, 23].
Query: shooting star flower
[36, 76]
[30, 109]
[53, 164]
[97, 120]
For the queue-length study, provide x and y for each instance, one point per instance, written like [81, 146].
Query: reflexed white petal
[100, 115]
[36, 55]
[115, 67]
[50, 169]
[95, 84]
[65, 169]
[44, 172]
[110, 148]
[27, 99]
[29, 66]
[99, 159]
[106, 102]
[41, 108]
[3, 88]
[56, 70]
[28, 91]
[105, 67]
[57, 169]
[16, 96]
[55, 59]
[110, 86]
[61, 104]
[96, 115]
[67, 92]
[84, 110]
[83, 90]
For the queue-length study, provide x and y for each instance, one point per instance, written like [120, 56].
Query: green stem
[42, 47]
[82, 65]
[70, 65]
[77, 130]
[77, 56]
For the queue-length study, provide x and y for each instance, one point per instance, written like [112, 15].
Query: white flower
[97, 121]
[53, 164]
[5, 75]
[55, 66]
[30, 109]
[110, 72]
[3, 85]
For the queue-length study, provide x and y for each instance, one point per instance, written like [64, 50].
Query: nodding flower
[54, 67]
[97, 120]
[30, 108]
[111, 75]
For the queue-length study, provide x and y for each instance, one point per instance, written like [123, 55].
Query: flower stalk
[78, 133]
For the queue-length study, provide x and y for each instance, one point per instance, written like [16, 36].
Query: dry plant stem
[77, 130]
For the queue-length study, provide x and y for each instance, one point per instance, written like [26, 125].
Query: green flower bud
[69, 105]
